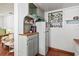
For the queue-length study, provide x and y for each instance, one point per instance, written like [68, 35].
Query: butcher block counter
[29, 34]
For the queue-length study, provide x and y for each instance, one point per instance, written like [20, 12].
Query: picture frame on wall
[55, 19]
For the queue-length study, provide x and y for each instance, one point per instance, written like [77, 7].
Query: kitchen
[43, 33]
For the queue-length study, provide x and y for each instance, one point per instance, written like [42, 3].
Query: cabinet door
[35, 45]
[30, 47]
[22, 46]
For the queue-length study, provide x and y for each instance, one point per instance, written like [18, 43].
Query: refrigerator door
[46, 41]
[42, 28]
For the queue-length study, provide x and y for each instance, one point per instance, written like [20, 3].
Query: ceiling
[54, 6]
[6, 7]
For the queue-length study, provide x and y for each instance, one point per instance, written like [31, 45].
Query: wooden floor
[5, 51]
[51, 52]
[57, 52]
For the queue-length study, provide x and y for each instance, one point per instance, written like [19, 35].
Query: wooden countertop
[77, 41]
[29, 34]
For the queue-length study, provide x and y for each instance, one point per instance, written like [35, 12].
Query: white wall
[62, 38]
[6, 7]
[1, 21]
[9, 22]
[22, 12]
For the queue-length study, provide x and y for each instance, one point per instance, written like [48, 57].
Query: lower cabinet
[31, 45]
[35, 45]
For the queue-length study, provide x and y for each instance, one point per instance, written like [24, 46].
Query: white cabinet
[33, 45]
[22, 45]
[28, 46]
[36, 45]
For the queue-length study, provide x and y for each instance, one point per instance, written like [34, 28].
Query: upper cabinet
[35, 11]
[32, 9]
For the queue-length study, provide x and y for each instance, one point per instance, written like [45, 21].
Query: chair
[8, 41]
[4, 39]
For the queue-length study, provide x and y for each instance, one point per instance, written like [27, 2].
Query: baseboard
[63, 51]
